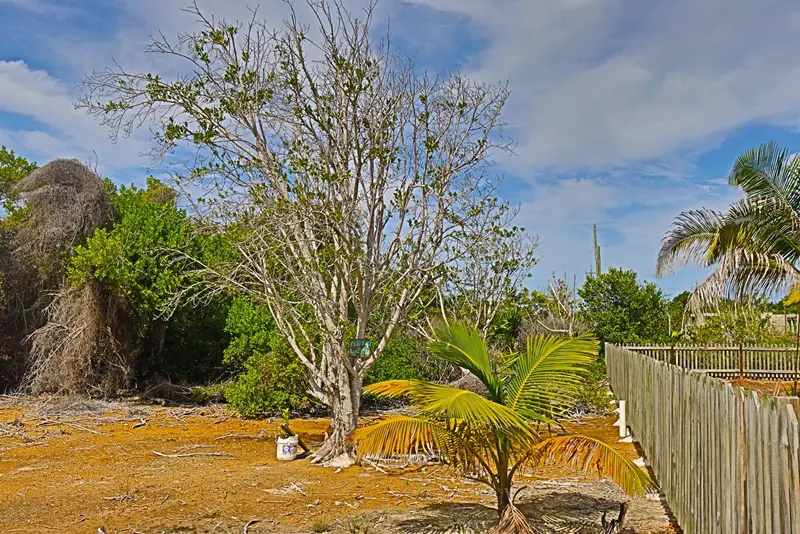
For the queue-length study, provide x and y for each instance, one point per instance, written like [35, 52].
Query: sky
[624, 112]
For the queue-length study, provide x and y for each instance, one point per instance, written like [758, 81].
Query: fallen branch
[374, 466]
[120, 498]
[261, 434]
[251, 522]
[142, 422]
[186, 455]
[225, 418]
[285, 428]
[80, 427]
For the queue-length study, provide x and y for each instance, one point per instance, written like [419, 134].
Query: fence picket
[726, 461]
[775, 363]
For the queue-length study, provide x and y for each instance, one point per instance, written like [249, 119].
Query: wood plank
[793, 449]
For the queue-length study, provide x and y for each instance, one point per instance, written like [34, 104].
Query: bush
[406, 358]
[195, 342]
[270, 378]
[321, 526]
[271, 382]
[401, 360]
[593, 393]
[212, 393]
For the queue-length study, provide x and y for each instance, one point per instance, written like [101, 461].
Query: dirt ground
[775, 388]
[127, 468]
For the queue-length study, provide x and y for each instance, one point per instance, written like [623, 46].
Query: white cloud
[611, 100]
[61, 130]
[596, 83]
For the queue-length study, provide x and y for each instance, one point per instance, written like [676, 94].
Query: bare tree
[474, 288]
[557, 315]
[347, 181]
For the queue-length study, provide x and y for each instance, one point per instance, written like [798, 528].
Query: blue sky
[625, 112]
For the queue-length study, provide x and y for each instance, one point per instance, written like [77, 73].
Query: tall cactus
[597, 266]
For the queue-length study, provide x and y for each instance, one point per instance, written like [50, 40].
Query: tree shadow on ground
[554, 512]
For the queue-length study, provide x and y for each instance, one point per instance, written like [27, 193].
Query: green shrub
[212, 393]
[270, 377]
[593, 393]
[406, 358]
[270, 383]
[321, 526]
[195, 342]
[401, 360]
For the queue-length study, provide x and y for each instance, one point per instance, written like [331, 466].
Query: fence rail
[775, 363]
[728, 461]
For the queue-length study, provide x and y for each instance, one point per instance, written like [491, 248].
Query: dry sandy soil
[126, 468]
[765, 387]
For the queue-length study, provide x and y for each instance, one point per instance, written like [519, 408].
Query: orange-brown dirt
[81, 472]
[775, 388]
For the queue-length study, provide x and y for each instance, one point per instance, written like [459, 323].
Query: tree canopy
[753, 246]
[356, 181]
[622, 310]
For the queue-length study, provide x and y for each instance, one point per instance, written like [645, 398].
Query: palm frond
[742, 274]
[691, 239]
[437, 400]
[768, 170]
[762, 224]
[544, 379]
[465, 346]
[793, 297]
[399, 437]
[393, 389]
[590, 454]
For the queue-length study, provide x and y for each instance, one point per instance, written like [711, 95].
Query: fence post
[623, 419]
[741, 362]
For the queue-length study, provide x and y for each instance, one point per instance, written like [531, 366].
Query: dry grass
[80, 349]
[66, 201]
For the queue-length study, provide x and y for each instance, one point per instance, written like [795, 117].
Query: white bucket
[287, 448]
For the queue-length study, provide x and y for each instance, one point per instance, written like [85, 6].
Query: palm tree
[755, 245]
[493, 436]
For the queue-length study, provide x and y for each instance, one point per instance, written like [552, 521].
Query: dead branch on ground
[186, 455]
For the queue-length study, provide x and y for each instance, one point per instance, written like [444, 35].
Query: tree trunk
[344, 394]
[503, 487]
[511, 519]
[503, 500]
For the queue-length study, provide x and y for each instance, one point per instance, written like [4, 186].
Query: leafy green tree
[13, 169]
[128, 260]
[195, 341]
[128, 257]
[622, 310]
[491, 438]
[676, 312]
[406, 357]
[734, 324]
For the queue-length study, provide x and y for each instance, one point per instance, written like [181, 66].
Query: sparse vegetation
[320, 526]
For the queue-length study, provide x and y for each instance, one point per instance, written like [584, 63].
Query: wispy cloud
[596, 83]
[612, 102]
[60, 130]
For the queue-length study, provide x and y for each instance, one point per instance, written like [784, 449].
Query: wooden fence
[727, 460]
[775, 363]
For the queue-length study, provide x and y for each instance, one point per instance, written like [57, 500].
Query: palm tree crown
[755, 245]
[490, 437]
